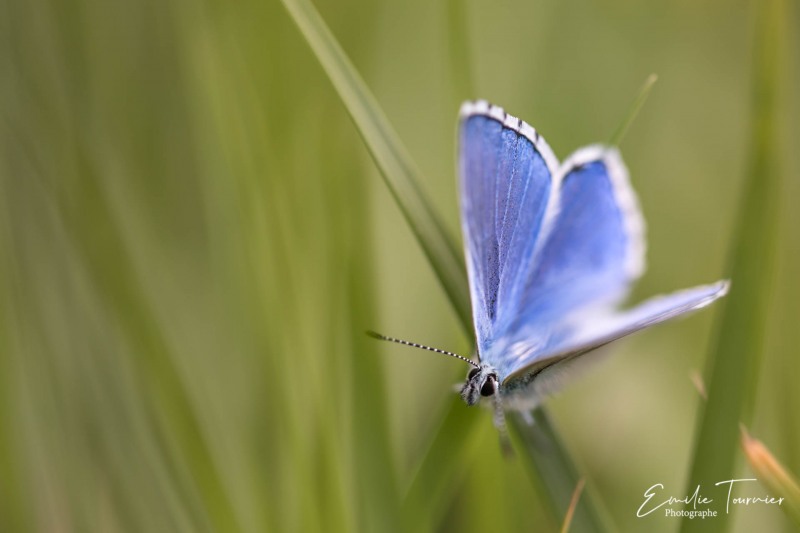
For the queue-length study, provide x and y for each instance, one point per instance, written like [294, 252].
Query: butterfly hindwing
[592, 245]
[590, 249]
[607, 328]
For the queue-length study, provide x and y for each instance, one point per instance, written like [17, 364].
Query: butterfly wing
[592, 244]
[590, 249]
[506, 174]
[569, 344]
[551, 250]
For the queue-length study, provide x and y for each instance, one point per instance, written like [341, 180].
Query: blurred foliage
[737, 353]
[193, 239]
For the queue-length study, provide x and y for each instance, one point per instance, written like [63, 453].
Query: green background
[193, 239]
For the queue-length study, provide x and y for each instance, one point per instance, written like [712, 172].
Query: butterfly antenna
[378, 336]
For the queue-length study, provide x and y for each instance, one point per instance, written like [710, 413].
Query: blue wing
[506, 178]
[568, 343]
[592, 245]
[551, 250]
[590, 251]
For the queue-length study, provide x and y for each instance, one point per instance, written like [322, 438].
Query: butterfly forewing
[505, 188]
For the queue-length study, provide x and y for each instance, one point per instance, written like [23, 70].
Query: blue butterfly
[551, 251]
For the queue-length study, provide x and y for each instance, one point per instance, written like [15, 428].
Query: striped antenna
[415, 345]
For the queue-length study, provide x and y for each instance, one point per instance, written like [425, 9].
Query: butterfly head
[481, 381]
[482, 378]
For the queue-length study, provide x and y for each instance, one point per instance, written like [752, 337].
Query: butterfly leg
[527, 417]
[499, 420]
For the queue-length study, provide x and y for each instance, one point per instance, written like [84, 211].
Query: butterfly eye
[473, 373]
[488, 386]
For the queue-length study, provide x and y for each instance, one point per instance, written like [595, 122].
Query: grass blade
[548, 462]
[644, 92]
[427, 497]
[459, 51]
[734, 362]
[398, 170]
[773, 475]
[572, 505]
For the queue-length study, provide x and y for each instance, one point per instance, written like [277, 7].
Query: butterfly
[552, 250]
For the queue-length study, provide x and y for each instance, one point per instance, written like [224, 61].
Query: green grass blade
[735, 358]
[644, 92]
[432, 486]
[549, 463]
[398, 170]
[459, 51]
